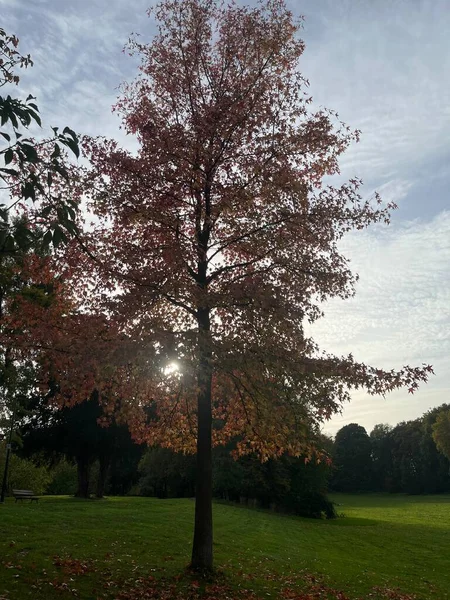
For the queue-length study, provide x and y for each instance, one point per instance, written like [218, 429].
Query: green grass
[388, 541]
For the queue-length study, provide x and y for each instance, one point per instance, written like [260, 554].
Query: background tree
[25, 474]
[407, 457]
[165, 473]
[436, 473]
[381, 448]
[77, 433]
[123, 474]
[441, 432]
[352, 460]
[63, 478]
[219, 234]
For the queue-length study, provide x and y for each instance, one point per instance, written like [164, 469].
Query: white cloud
[384, 66]
[400, 314]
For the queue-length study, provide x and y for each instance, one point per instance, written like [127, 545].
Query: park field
[393, 547]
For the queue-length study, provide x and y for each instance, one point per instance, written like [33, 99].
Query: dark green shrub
[63, 479]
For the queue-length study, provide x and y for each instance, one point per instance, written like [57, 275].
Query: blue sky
[384, 67]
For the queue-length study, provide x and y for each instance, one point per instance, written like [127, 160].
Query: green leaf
[9, 171]
[70, 132]
[25, 118]
[62, 214]
[57, 168]
[36, 117]
[28, 191]
[45, 212]
[74, 147]
[13, 119]
[9, 155]
[9, 244]
[30, 153]
[22, 236]
[56, 151]
[58, 236]
[3, 234]
[48, 237]
[6, 136]
[71, 227]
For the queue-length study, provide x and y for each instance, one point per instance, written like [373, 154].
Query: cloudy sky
[384, 66]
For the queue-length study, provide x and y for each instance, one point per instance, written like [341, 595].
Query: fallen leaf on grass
[73, 566]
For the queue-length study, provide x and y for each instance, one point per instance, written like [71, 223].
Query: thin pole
[8, 452]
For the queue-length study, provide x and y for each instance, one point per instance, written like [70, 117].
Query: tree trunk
[5, 473]
[83, 470]
[202, 551]
[7, 372]
[102, 472]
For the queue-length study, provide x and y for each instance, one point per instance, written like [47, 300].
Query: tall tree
[436, 465]
[441, 432]
[407, 457]
[381, 442]
[352, 458]
[78, 434]
[218, 237]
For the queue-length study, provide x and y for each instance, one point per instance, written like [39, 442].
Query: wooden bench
[24, 495]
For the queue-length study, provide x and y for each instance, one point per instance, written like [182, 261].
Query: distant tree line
[409, 458]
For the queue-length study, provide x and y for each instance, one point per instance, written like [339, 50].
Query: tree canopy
[352, 460]
[441, 432]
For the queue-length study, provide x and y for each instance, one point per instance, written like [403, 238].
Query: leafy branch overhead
[31, 170]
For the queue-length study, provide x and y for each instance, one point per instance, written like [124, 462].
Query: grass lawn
[63, 547]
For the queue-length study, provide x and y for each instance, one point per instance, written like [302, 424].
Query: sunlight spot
[171, 368]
